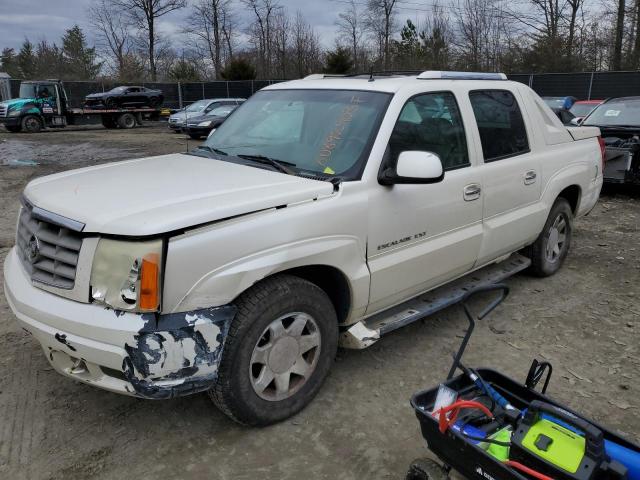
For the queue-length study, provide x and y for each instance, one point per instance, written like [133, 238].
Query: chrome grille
[49, 252]
[3, 110]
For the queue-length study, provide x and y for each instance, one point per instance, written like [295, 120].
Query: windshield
[582, 109]
[625, 112]
[197, 106]
[221, 111]
[28, 90]
[117, 90]
[320, 131]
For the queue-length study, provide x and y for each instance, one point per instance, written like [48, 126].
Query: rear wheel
[31, 124]
[278, 352]
[154, 102]
[127, 120]
[552, 245]
[13, 128]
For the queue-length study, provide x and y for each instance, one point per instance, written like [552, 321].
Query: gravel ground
[584, 320]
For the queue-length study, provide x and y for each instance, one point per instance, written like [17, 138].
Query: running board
[369, 331]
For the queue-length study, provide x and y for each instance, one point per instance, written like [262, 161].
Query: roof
[588, 102]
[391, 82]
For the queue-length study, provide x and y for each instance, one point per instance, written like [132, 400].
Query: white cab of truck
[324, 211]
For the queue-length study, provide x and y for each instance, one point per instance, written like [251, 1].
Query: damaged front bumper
[145, 355]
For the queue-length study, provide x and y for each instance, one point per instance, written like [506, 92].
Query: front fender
[223, 284]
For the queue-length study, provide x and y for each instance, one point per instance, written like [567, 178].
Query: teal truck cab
[44, 103]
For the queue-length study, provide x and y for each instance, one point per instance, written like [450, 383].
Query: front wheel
[31, 124]
[550, 249]
[278, 352]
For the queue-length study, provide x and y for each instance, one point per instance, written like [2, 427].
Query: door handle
[530, 177]
[472, 192]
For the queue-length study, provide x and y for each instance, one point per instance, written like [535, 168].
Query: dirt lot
[585, 320]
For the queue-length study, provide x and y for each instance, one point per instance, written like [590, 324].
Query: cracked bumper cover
[145, 355]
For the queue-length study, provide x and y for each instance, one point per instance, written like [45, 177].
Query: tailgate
[580, 133]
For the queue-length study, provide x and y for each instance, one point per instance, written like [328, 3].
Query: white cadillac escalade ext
[324, 211]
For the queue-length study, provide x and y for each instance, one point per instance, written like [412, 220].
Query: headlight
[205, 124]
[126, 275]
[14, 113]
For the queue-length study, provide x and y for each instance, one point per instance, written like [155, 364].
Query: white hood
[154, 195]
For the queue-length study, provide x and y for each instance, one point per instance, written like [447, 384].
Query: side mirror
[576, 121]
[413, 167]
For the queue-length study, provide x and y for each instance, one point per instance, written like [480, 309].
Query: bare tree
[113, 36]
[574, 8]
[351, 29]
[306, 51]
[616, 61]
[381, 12]
[207, 24]
[281, 41]
[261, 29]
[143, 14]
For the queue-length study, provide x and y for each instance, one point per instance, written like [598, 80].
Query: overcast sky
[48, 19]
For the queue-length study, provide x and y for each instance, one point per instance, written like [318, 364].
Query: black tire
[13, 128]
[109, 102]
[426, 469]
[109, 122]
[261, 306]
[127, 120]
[31, 124]
[544, 261]
[195, 136]
[154, 102]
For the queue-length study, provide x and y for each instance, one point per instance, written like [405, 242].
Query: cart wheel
[426, 469]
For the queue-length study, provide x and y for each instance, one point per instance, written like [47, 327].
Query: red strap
[454, 409]
[527, 470]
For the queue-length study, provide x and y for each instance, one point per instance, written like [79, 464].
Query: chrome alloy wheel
[285, 356]
[556, 239]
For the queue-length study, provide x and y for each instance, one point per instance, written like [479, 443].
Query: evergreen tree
[79, 59]
[238, 69]
[338, 61]
[27, 61]
[9, 63]
[184, 71]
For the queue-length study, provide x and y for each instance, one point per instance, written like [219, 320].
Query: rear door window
[502, 130]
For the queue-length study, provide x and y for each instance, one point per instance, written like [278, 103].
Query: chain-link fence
[176, 95]
[582, 85]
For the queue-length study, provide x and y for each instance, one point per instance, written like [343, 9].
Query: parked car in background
[198, 127]
[125, 97]
[319, 213]
[177, 121]
[582, 108]
[560, 102]
[619, 123]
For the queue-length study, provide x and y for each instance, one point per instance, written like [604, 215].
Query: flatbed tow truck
[44, 104]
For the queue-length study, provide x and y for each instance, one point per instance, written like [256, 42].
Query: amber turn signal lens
[149, 282]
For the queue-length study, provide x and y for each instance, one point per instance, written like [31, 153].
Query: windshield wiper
[212, 149]
[280, 165]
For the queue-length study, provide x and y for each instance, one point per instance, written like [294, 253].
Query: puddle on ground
[25, 153]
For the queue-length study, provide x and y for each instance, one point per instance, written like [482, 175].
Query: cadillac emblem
[33, 249]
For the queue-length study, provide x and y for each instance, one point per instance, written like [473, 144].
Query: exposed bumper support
[181, 355]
